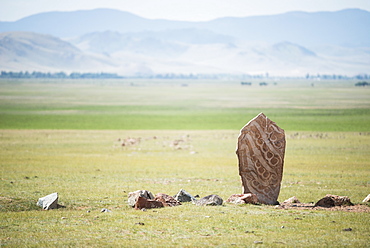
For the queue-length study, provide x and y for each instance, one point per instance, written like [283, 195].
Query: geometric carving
[260, 151]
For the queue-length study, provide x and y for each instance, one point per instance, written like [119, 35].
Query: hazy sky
[188, 10]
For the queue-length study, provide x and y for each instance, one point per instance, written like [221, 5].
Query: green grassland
[200, 105]
[63, 136]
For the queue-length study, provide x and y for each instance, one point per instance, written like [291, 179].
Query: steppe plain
[66, 136]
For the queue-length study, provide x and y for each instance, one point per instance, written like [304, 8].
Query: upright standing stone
[260, 151]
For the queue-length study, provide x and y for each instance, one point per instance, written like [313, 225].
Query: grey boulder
[209, 200]
[183, 196]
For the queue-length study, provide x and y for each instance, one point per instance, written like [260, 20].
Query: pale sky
[185, 10]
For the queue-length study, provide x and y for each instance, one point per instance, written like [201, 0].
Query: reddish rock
[167, 200]
[334, 200]
[142, 202]
[243, 198]
[133, 196]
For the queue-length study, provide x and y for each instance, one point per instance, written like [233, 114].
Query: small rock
[63, 218]
[243, 198]
[292, 200]
[167, 200]
[367, 198]
[143, 202]
[105, 210]
[210, 200]
[133, 196]
[347, 229]
[258, 242]
[49, 201]
[183, 196]
[140, 223]
[334, 200]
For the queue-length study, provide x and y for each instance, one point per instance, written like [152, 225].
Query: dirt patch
[359, 208]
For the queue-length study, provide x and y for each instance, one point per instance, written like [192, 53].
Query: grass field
[62, 136]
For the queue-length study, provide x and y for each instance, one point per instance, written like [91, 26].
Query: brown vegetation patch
[359, 208]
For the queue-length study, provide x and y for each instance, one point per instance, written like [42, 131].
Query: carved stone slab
[260, 151]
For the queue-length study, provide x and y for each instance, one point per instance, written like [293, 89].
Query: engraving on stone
[260, 151]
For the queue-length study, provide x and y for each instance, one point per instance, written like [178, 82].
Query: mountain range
[294, 43]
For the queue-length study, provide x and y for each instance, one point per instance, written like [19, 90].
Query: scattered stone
[140, 223]
[183, 196]
[49, 201]
[260, 151]
[347, 229]
[334, 200]
[105, 210]
[292, 200]
[143, 202]
[367, 198]
[167, 200]
[243, 198]
[210, 200]
[133, 196]
[258, 242]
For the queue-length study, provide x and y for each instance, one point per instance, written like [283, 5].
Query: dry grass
[91, 170]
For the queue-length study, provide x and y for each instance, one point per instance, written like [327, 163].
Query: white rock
[367, 199]
[49, 201]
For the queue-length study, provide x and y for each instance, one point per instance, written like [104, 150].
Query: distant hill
[291, 44]
[348, 27]
[31, 51]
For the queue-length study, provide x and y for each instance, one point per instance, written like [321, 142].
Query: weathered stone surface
[292, 200]
[143, 202]
[243, 198]
[367, 198]
[334, 200]
[183, 196]
[210, 200]
[260, 151]
[49, 201]
[132, 196]
[167, 200]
